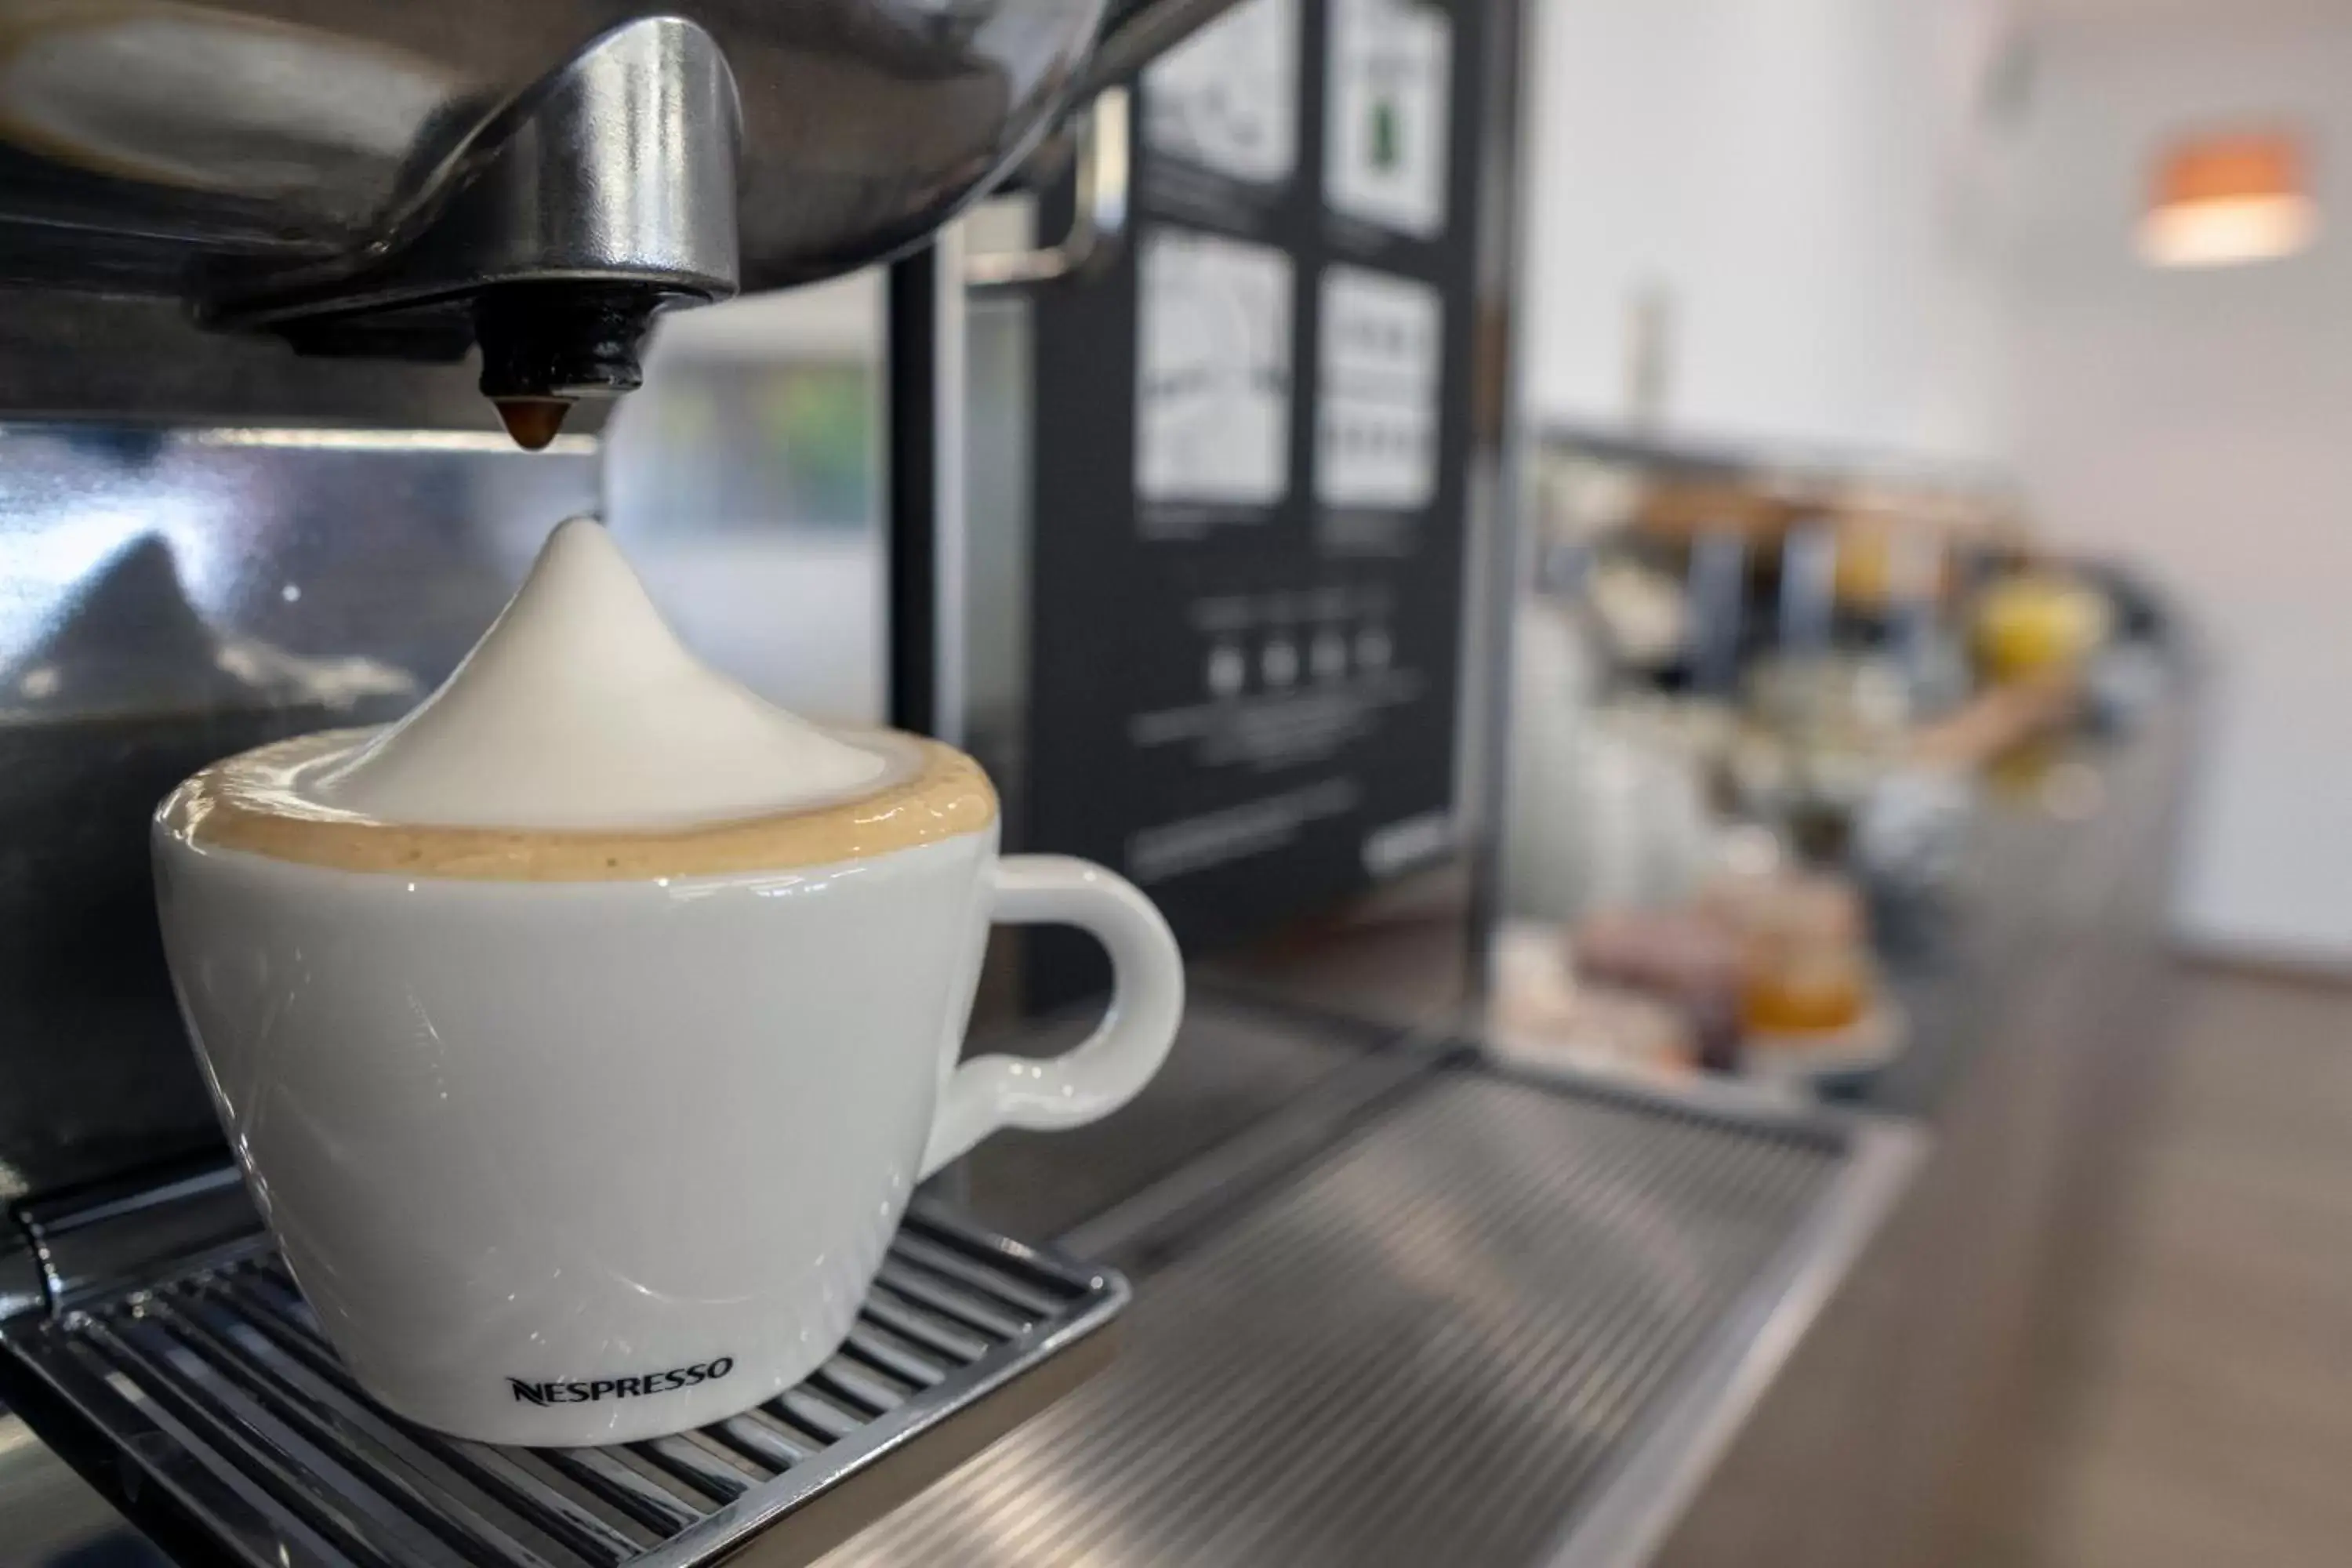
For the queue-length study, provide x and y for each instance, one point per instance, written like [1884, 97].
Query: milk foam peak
[581, 710]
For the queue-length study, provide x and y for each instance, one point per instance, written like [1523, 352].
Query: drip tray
[1509, 1321]
[210, 1409]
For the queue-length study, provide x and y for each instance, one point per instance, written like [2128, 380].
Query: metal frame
[928, 570]
[1098, 216]
[1502, 451]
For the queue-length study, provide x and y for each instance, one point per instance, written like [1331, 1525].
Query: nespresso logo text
[621, 1387]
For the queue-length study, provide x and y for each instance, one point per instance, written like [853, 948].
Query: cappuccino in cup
[583, 1036]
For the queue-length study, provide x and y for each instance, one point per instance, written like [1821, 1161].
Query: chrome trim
[1098, 216]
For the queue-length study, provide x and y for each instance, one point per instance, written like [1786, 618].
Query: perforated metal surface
[215, 1393]
[1430, 1348]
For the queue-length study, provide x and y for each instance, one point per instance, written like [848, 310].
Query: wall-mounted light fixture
[2220, 200]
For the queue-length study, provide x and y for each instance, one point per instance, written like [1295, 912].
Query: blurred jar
[1805, 960]
[2037, 625]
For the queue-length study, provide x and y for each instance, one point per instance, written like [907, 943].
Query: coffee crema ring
[251, 802]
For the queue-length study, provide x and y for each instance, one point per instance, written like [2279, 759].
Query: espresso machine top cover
[535, 178]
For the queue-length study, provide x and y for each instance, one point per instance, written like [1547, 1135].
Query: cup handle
[1103, 1072]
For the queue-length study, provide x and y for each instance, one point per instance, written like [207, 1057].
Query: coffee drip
[532, 422]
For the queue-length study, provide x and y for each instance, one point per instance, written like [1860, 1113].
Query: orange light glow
[2223, 200]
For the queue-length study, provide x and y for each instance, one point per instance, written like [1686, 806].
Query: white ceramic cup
[586, 1161]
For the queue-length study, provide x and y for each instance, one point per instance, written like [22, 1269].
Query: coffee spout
[600, 198]
[534, 421]
[545, 346]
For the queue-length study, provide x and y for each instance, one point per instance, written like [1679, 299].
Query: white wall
[2202, 422]
[1800, 174]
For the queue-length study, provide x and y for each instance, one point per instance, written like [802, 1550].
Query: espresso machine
[313, 317]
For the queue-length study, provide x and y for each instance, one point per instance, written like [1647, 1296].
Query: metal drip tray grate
[210, 1408]
[1450, 1340]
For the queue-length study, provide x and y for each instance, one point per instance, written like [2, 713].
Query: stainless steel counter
[1505, 1322]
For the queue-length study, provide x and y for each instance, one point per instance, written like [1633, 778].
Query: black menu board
[1250, 473]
